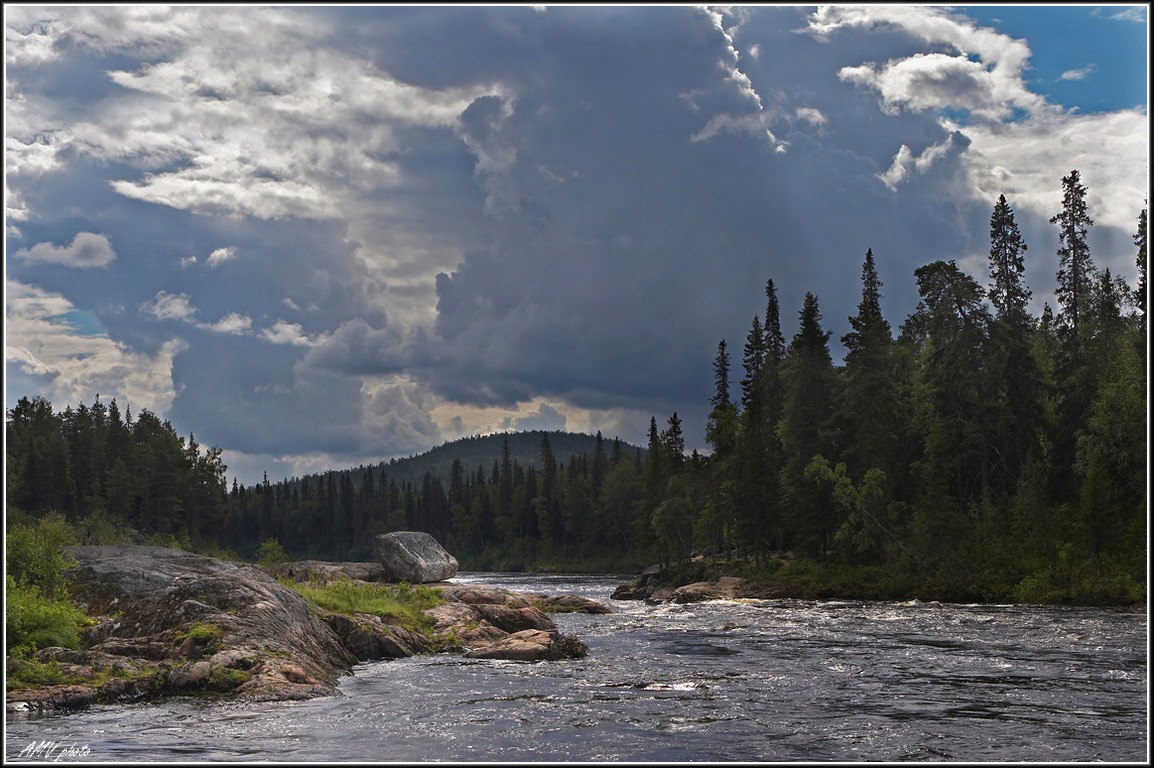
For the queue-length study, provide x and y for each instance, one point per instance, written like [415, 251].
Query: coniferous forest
[976, 452]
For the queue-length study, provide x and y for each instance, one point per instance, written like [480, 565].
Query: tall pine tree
[1075, 269]
[810, 383]
[870, 409]
[1016, 379]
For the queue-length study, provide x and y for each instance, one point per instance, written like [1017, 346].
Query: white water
[759, 681]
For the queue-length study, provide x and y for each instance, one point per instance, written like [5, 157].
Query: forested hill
[981, 452]
[481, 451]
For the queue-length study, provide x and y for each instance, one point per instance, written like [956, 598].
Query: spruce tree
[953, 473]
[1075, 269]
[1007, 292]
[774, 341]
[753, 359]
[721, 377]
[1015, 383]
[810, 383]
[869, 407]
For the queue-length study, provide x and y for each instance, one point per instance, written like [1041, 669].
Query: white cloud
[1135, 14]
[1024, 157]
[169, 306]
[86, 251]
[905, 163]
[283, 332]
[220, 256]
[810, 115]
[178, 307]
[231, 323]
[984, 74]
[1079, 74]
[73, 366]
[30, 155]
[755, 124]
[1026, 161]
[257, 119]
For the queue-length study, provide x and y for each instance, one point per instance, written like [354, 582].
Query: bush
[170, 541]
[32, 621]
[35, 554]
[103, 527]
[26, 673]
[271, 554]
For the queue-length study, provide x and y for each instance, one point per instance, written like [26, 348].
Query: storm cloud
[320, 236]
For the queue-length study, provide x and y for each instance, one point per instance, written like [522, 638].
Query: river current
[744, 681]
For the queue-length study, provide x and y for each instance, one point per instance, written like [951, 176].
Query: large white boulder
[413, 556]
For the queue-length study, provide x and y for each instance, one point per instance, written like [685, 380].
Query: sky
[318, 236]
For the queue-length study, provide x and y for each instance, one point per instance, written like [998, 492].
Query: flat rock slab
[268, 643]
[531, 645]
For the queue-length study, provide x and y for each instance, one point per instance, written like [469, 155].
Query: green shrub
[24, 672]
[103, 527]
[35, 555]
[170, 541]
[271, 553]
[32, 621]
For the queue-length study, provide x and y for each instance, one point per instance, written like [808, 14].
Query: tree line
[101, 469]
[982, 449]
[979, 448]
[501, 515]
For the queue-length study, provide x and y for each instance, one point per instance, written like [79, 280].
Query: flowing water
[754, 681]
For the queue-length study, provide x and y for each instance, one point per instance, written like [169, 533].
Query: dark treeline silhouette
[519, 508]
[90, 462]
[981, 450]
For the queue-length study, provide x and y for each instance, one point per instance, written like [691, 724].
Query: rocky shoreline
[171, 622]
[651, 587]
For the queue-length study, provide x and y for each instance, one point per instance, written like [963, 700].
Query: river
[749, 681]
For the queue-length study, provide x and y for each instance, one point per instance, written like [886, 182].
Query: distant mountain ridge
[482, 450]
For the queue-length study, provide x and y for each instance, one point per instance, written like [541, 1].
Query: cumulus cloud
[983, 74]
[1017, 144]
[233, 322]
[905, 163]
[220, 256]
[1026, 161]
[284, 332]
[245, 136]
[178, 307]
[71, 365]
[86, 251]
[169, 306]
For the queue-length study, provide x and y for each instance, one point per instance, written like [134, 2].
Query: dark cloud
[558, 214]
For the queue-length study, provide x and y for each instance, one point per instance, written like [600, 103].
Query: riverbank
[787, 577]
[164, 622]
